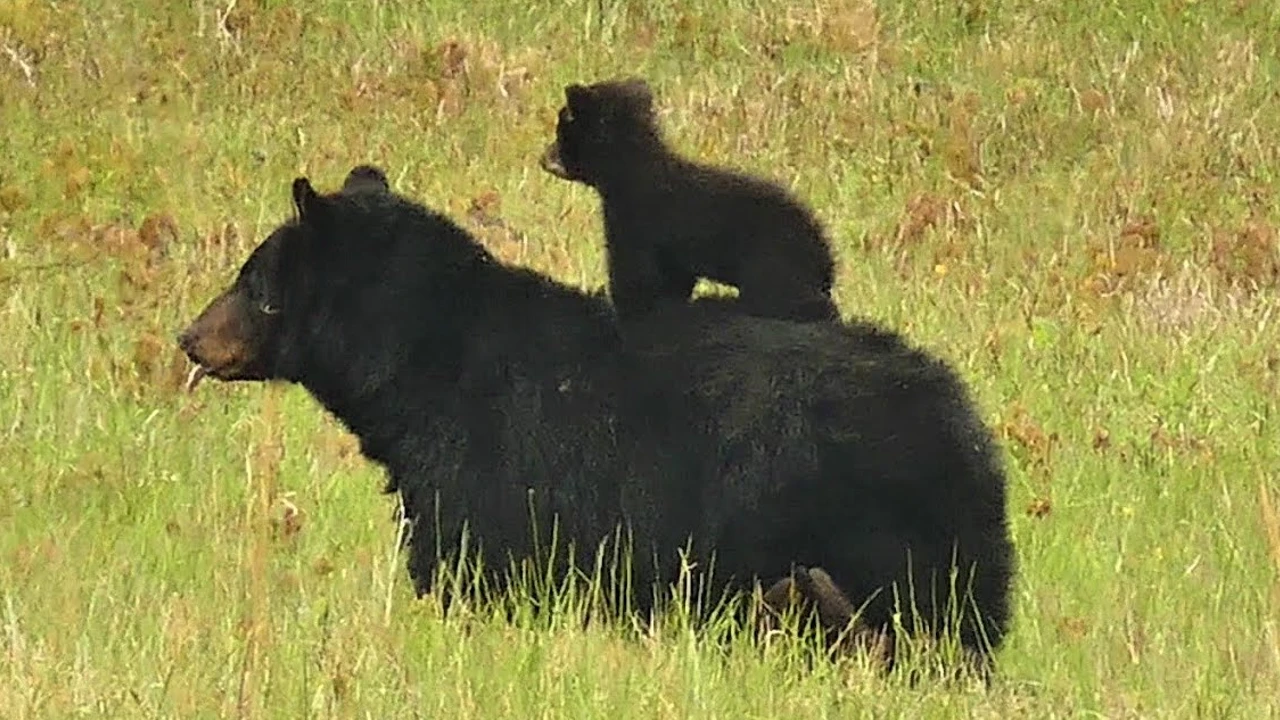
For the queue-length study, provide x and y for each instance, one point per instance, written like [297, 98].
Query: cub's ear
[305, 198]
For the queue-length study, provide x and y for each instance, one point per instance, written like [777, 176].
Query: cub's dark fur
[669, 220]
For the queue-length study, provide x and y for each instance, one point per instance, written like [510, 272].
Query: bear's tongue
[197, 374]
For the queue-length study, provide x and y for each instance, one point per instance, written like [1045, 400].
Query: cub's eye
[266, 308]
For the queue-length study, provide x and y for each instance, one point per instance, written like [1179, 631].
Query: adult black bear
[669, 220]
[493, 394]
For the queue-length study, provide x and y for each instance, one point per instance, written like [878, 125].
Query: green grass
[1075, 204]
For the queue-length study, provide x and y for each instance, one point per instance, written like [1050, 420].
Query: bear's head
[600, 130]
[238, 335]
[318, 295]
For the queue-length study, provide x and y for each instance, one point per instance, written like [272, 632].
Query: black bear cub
[669, 220]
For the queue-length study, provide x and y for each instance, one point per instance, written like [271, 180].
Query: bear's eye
[266, 308]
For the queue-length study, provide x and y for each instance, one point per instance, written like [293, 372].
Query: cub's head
[600, 129]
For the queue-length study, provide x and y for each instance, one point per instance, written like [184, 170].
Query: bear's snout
[220, 342]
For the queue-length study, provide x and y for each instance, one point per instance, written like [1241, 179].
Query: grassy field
[1076, 206]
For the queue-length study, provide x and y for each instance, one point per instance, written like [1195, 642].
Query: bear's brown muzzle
[219, 341]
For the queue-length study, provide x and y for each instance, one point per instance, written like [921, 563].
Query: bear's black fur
[669, 220]
[487, 390]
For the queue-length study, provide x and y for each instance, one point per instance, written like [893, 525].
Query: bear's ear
[305, 198]
[578, 98]
[638, 93]
[366, 178]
